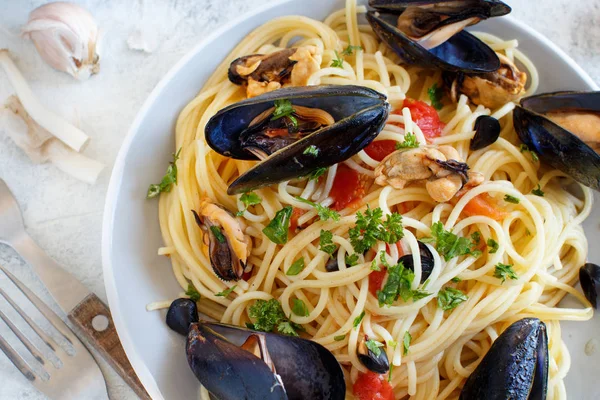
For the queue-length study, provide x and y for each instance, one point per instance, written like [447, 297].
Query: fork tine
[50, 315]
[16, 359]
[26, 342]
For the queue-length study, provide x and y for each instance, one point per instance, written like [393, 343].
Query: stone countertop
[65, 216]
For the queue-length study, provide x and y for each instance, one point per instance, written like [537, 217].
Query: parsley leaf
[299, 308]
[226, 292]
[538, 191]
[456, 279]
[326, 243]
[218, 234]
[324, 213]
[248, 199]
[406, 342]
[311, 150]
[351, 259]
[450, 298]
[359, 319]
[167, 181]
[504, 271]
[375, 266]
[269, 315]
[192, 292]
[370, 228]
[390, 373]
[284, 108]
[277, 230]
[339, 338]
[511, 199]
[435, 95]
[348, 51]
[316, 174]
[493, 245]
[398, 285]
[338, 61]
[450, 245]
[296, 267]
[374, 347]
[476, 237]
[410, 142]
[534, 155]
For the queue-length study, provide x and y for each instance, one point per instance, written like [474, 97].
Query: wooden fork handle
[93, 318]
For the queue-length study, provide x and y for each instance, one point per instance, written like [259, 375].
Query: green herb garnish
[316, 174]
[296, 267]
[406, 342]
[339, 338]
[226, 292]
[398, 285]
[493, 245]
[351, 259]
[269, 315]
[450, 298]
[192, 292]
[534, 155]
[167, 181]
[375, 266]
[456, 279]
[359, 319]
[511, 199]
[277, 230]
[476, 238]
[390, 373]
[338, 61]
[374, 347]
[248, 199]
[218, 234]
[311, 150]
[450, 245]
[435, 95]
[350, 49]
[538, 191]
[299, 308]
[284, 108]
[324, 213]
[410, 142]
[326, 242]
[504, 271]
[370, 228]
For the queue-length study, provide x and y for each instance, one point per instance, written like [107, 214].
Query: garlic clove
[66, 37]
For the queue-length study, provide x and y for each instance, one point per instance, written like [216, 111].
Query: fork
[77, 377]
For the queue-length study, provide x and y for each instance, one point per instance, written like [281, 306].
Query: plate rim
[118, 170]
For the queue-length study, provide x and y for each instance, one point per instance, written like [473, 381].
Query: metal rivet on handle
[100, 323]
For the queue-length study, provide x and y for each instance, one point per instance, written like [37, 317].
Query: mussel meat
[430, 33]
[589, 277]
[515, 367]
[371, 354]
[491, 89]
[261, 73]
[562, 128]
[236, 363]
[228, 246]
[427, 262]
[487, 131]
[295, 131]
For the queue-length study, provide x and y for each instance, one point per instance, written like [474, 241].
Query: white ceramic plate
[135, 275]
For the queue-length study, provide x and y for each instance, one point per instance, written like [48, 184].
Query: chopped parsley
[534, 155]
[435, 95]
[348, 51]
[338, 61]
[226, 292]
[511, 199]
[218, 234]
[284, 108]
[450, 298]
[410, 142]
[296, 267]
[311, 150]
[339, 338]
[450, 245]
[375, 266]
[493, 245]
[324, 213]
[392, 343]
[192, 292]
[277, 230]
[476, 237]
[316, 174]
[167, 181]
[504, 271]
[398, 285]
[326, 242]
[358, 319]
[538, 191]
[370, 228]
[299, 308]
[390, 373]
[374, 346]
[456, 279]
[269, 315]
[406, 342]
[351, 259]
[248, 199]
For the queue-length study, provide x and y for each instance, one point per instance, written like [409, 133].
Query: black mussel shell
[181, 314]
[487, 131]
[463, 52]
[515, 367]
[589, 277]
[556, 146]
[426, 261]
[307, 369]
[480, 8]
[332, 265]
[377, 363]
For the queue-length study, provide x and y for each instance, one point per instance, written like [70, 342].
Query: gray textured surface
[65, 216]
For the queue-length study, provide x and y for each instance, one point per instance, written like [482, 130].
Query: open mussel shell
[359, 113]
[515, 367]
[555, 145]
[307, 369]
[589, 277]
[463, 52]
[482, 9]
[181, 314]
[487, 131]
[376, 362]
[427, 262]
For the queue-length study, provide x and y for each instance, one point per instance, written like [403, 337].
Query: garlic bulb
[66, 36]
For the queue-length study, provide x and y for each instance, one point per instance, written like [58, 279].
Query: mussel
[515, 367]
[429, 33]
[426, 261]
[236, 363]
[296, 131]
[371, 354]
[487, 131]
[589, 277]
[563, 128]
[181, 315]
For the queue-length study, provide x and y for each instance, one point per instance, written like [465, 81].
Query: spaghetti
[540, 237]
